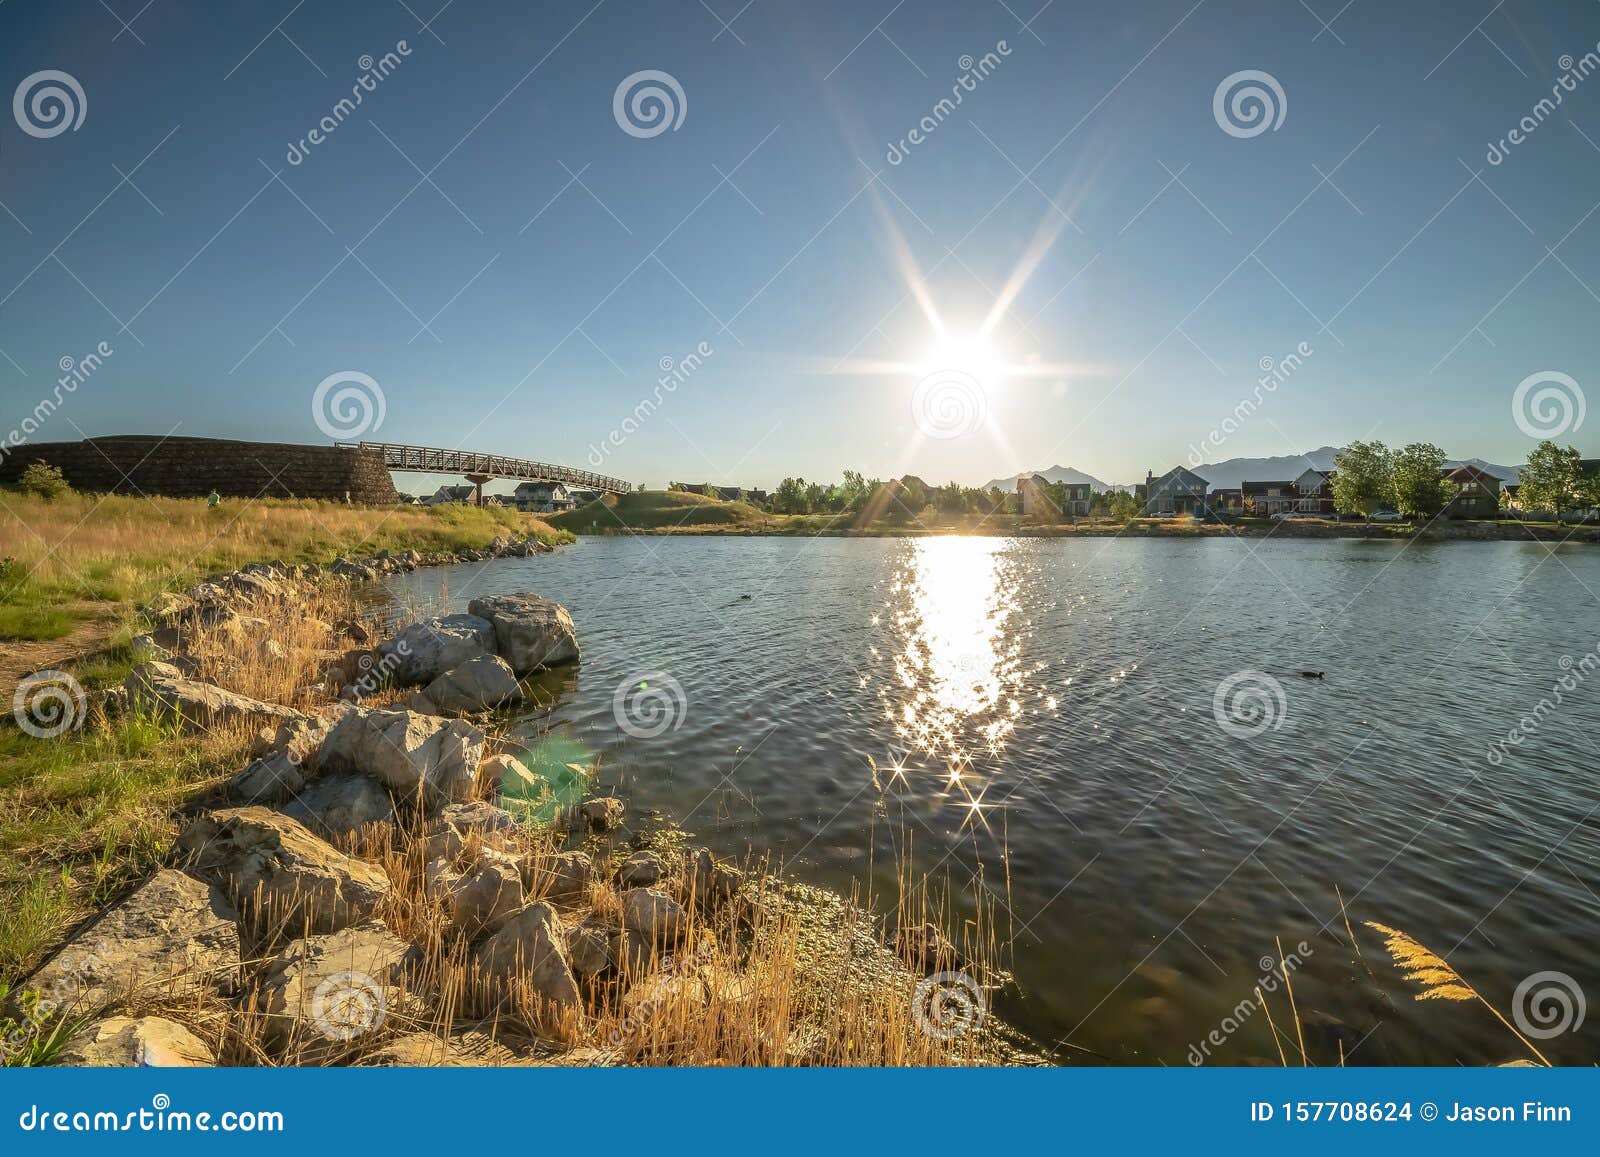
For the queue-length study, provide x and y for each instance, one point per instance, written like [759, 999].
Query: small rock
[641, 870]
[654, 914]
[603, 814]
[481, 684]
[425, 1050]
[144, 1042]
[529, 948]
[336, 987]
[448, 831]
[593, 948]
[338, 805]
[563, 876]
[484, 896]
[714, 882]
[657, 996]
[270, 779]
[422, 652]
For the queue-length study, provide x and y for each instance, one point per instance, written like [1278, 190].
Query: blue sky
[521, 298]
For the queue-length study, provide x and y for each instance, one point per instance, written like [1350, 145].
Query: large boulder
[528, 950]
[654, 915]
[562, 876]
[530, 633]
[337, 805]
[410, 754]
[422, 652]
[174, 937]
[142, 1042]
[283, 877]
[333, 988]
[161, 689]
[480, 684]
[641, 870]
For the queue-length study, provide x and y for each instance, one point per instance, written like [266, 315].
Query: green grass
[35, 622]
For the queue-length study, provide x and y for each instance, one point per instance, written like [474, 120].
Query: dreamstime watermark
[949, 404]
[648, 103]
[372, 73]
[348, 404]
[649, 704]
[1547, 1004]
[1573, 72]
[973, 72]
[347, 1005]
[674, 372]
[948, 1005]
[1273, 972]
[1274, 372]
[1249, 103]
[48, 103]
[1575, 672]
[74, 372]
[1248, 703]
[161, 1117]
[1548, 404]
[48, 703]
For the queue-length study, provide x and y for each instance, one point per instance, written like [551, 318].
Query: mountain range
[1233, 472]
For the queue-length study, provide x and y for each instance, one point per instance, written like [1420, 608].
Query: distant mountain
[1053, 474]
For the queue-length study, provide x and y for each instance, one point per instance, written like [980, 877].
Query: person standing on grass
[213, 498]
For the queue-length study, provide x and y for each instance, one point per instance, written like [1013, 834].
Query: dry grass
[86, 549]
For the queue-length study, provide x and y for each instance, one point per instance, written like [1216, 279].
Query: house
[448, 495]
[740, 494]
[1263, 499]
[1078, 499]
[583, 497]
[541, 497]
[1477, 493]
[1315, 491]
[1178, 491]
[1226, 501]
[1033, 493]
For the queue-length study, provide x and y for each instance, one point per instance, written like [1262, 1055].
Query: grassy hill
[659, 511]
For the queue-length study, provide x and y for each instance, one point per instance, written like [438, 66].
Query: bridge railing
[436, 460]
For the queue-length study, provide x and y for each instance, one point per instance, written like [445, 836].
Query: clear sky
[520, 298]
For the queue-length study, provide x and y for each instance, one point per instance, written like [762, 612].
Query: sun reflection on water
[957, 676]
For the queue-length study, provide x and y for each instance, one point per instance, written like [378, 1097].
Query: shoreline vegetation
[666, 512]
[255, 789]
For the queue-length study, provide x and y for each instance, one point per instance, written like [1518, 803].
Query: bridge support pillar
[477, 481]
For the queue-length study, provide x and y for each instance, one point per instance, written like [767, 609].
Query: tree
[1362, 477]
[1420, 488]
[1550, 480]
[708, 491]
[1124, 506]
[44, 480]
[790, 497]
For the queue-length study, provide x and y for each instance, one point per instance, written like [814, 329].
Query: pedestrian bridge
[481, 468]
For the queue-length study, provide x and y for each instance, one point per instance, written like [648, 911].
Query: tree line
[1369, 476]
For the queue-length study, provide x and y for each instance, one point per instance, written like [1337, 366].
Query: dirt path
[20, 657]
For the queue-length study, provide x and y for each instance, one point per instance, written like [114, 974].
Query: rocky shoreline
[390, 881]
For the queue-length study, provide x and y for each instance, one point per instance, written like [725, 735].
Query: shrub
[45, 480]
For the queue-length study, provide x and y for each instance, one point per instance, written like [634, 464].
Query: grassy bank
[85, 557]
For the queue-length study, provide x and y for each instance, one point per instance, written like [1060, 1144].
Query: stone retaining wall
[193, 467]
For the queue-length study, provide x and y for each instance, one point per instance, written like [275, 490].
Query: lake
[1110, 743]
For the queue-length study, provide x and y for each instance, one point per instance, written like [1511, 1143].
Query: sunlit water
[1040, 714]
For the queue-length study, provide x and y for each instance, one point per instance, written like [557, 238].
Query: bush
[45, 480]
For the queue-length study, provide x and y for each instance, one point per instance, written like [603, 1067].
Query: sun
[971, 354]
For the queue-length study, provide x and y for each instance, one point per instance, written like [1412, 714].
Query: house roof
[1470, 474]
[1263, 487]
[1189, 477]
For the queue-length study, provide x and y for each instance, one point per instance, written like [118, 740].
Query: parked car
[1387, 516]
